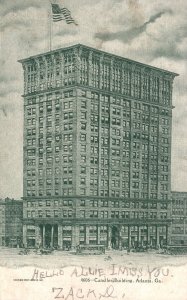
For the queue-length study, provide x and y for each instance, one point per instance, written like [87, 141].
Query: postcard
[93, 165]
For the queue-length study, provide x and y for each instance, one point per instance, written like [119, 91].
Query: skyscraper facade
[97, 150]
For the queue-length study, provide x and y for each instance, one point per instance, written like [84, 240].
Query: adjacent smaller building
[179, 218]
[11, 222]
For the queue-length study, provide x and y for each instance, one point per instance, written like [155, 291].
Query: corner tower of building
[97, 149]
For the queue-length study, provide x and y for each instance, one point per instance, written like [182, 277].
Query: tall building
[97, 150]
[11, 218]
[179, 218]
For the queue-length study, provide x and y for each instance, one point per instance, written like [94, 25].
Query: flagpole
[58, 14]
[50, 28]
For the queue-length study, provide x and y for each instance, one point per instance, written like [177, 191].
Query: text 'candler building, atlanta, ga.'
[97, 150]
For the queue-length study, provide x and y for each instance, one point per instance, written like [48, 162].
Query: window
[67, 213]
[68, 126]
[83, 103]
[56, 213]
[48, 181]
[93, 229]
[94, 160]
[125, 214]
[93, 214]
[57, 149]
[49, 106]
[83, 158]
[40, 203]
[103, 229]
[48, 213]
[114, 214]
[83, 137]
[68, 115]
[104, 214]
[67, 181]
[82, 202]
[116, 121]
[115, 203]
[83, 191]
[94, 128]
[94, 139]
[136, 165]
[83, 148]
[48, 171]
[83, 170]
[153, 215]
[67, 202]
[104, 203]
[68, 137]
[83, 115]
[93, 181]
[48, 203]
[83, 181]
[55, 202]
[40, 214]
[82, 213]
[163, 205]
[83, 126]
[93, 203]
[68, 94]
[83, 93]
[135, 175]
[135, 185]
[125, 204]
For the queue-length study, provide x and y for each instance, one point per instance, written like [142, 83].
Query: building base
[113, 236]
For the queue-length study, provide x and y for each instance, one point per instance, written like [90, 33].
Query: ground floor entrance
[48, 235]
[113, 236]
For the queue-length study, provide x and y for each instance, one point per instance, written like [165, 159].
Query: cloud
[67, 31]
[4, 111]
[158, 15]
[136, 11]
[132, 33]
[6, 89]
[11, 138]
[16, 24]
[15, 6]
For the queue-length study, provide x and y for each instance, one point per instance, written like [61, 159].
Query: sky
[152, 32]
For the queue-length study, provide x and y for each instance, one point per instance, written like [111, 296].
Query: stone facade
[97, 149]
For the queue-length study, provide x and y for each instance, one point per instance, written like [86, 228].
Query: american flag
[60, 14]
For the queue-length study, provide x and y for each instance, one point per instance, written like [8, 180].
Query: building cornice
[97, 51]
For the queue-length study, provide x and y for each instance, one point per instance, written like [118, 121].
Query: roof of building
[99, 51]
[179, 193]
[10, 201]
